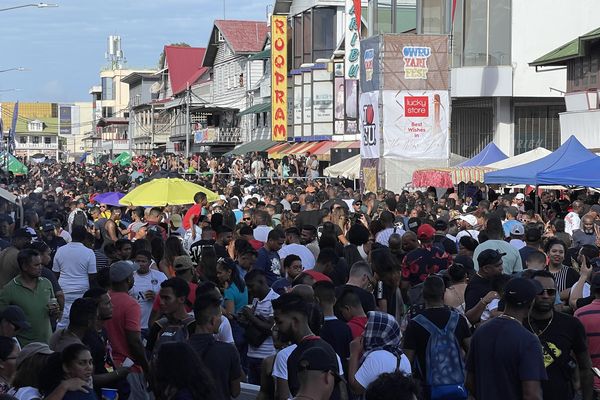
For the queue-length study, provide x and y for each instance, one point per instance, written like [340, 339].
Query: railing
[212, 135]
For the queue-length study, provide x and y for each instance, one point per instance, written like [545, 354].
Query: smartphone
[379, 290]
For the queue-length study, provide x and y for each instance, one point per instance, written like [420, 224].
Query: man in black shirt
[224, 237]
[291, 314]
[416, 337]
[361, 282]
[479, 293]
[49, 237]
[440, 239]
[561, 335]
[222, 358]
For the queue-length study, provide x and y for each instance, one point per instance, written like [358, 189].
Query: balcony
[40, 146]
[210, 136]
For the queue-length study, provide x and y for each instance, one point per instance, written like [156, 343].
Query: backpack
[79, 219]
[178, 332]
[445, 369]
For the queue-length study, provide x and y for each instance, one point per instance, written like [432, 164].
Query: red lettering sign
[416, 106]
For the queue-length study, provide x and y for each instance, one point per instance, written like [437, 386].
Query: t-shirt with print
[416, 337]
[515, 353]
[270, 263]
[264, 309]
[142, 284]
[126, 317]
[422, 262]
[562, 335]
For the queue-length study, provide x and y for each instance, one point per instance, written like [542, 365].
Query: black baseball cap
[22, 233]
[521, 291]
[48, 226]
[16, 316]
[489, 257]
[440, 225]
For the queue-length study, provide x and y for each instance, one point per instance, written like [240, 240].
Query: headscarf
[381, 333]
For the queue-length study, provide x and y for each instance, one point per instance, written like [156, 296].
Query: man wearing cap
[510, 220]
[505, 360]
[34, 295]
[75, 268]
[12, 320]
[511, 259]
[175, 223]
[318, 374]
[441, 237]
[9, 266]
[561, 335]
[589, 316]
[517, 232]
[424, 260]
[468, 223]
[49, 237]
[519, 202]
[479, 293]
[123, 329]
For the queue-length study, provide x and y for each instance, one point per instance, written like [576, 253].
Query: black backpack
[80, 219]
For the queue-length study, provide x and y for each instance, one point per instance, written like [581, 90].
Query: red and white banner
[369, 125]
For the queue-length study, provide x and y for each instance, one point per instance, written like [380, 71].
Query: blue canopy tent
[571, 152]
[584, 174]
[490, 154]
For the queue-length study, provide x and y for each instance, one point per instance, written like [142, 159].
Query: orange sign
[279, 78]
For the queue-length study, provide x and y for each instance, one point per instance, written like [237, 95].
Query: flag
[13, 128]
[357, 12]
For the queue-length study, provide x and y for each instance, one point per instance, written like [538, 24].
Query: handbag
[255, 336]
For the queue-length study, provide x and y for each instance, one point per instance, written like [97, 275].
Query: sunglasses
[246, 219]
[549, 292]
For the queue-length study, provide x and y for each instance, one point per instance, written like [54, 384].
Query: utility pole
[151, 128]
[188, 121]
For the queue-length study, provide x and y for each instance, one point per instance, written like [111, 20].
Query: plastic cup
[109, 394]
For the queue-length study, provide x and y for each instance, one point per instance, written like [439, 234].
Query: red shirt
[589, 316]
[357, 326]
[195, 211]
[126, 317]
[191, 299]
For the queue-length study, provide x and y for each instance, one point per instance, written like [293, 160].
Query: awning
[252, 147]
[355, 144]
[278, 151]
[303, 147]
[323, 152]
[263, 55]
[256, 109]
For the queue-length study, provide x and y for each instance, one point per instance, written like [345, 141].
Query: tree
[161, 58]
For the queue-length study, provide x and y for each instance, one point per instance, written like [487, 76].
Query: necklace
[541, 331]
[505, 316]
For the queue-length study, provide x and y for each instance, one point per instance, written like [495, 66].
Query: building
[581, 59]
[75, 120]
[496, 95]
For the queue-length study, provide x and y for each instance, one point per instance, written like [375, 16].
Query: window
[307, 37]
[35, 126]
[433, 17]
[108, 89]
[298, 41]
[107, 112]
[323, 33]
[35, 140]
[47, 140]
[241, 80]
[23, 139]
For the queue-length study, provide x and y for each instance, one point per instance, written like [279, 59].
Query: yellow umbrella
[166, 191]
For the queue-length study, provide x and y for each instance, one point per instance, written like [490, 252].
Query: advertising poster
[369, 169]
[351, 99]
[340, 98]
[65, 120]
[369, 125]
[323, 102]
[416, 124]
[415, 62]
[297, 105]
[369, 61]
[279, 114]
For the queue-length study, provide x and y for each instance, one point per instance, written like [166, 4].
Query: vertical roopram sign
[279, 77]
[352, 41]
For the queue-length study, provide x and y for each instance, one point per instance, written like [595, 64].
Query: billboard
[323, 102]
[369, 125]
[369, 61]
[416, 124]
[352, 41]
[64, 120]
[414, 62]
[279, 103]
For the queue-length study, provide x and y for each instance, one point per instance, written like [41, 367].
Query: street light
[14, 69]
[38, 5]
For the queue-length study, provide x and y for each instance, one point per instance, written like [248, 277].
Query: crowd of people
[308, 289]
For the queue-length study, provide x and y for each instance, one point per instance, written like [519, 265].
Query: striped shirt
[565, 278]
[590, 318]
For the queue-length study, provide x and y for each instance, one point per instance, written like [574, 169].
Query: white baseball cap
[520, 196]
[469, 219]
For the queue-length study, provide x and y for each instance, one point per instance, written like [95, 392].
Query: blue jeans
[254, 365]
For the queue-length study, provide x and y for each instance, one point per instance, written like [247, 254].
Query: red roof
[185, 66]
[243, 36]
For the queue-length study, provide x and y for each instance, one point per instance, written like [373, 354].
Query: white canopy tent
[349, 169]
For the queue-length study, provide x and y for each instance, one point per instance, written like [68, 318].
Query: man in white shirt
[146, 286]
[261, 232]
[75, 269]
[467, 224]
[573, 220]
[257, 167]
[293, 246]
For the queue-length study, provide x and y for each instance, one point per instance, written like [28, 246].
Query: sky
[63, 48]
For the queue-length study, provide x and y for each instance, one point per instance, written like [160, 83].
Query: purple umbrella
[109, 198]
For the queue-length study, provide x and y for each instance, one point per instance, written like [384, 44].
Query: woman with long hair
[179, 374]
[173, 248]
[8, 355]
[388, 272]
[74, 364]
[235, 293]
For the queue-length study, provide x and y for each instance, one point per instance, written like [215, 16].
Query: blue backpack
[445, 369]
